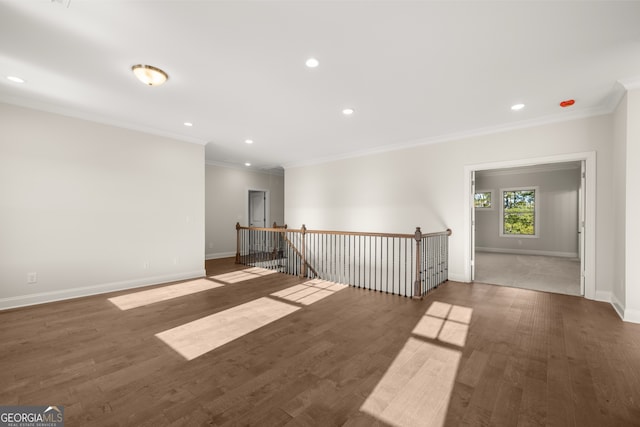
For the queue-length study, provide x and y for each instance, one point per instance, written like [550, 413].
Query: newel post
[302, 252]
[237, 243]
[417, 285]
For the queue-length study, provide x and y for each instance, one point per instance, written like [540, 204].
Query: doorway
[527, 227]
[257, 208]
[258, 216]
[583, 228]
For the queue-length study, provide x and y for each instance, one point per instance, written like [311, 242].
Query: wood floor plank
[507, 407]
[521, 358]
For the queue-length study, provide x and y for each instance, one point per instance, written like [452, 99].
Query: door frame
[589, 237]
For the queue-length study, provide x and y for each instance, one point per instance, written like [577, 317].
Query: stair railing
[403, 264]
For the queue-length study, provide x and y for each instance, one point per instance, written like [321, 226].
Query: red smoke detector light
[567, 103]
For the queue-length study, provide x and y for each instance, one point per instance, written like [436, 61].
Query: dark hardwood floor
[524, 358]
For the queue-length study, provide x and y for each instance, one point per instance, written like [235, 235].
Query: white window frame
[493, 201]
[536, 213]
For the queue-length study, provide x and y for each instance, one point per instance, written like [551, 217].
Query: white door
[257, 209]
[581, 220]
[473, 225]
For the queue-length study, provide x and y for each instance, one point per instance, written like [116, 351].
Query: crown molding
[272, 171]
[631, 83]
[96, 118]
[523, 124]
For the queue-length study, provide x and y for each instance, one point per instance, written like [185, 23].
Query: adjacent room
[323, 213]
[528, 227]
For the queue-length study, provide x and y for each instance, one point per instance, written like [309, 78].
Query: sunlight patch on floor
[416, 389]
[242, 275]
[309, 292]
[445, 322]
[196, 338]
[164, 293]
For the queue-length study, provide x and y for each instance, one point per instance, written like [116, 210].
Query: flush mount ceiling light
[248, 141]
[65, 3]
[188, 124]
[149, 75]
[312, 63]
[247, 164]
[15, 79]
[517, 107]
[348, 111]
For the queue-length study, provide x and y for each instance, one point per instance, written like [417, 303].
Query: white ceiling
[415, 71]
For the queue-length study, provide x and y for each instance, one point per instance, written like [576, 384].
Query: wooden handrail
[447, 232]
[355, 257]
[292, 246]
[278, 229]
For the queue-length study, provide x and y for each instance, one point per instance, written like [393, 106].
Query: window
[483, 200]
[519, 212]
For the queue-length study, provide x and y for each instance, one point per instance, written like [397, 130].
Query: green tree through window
[482, 199]
[519, 212]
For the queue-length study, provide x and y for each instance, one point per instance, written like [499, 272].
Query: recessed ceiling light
[312, 63]
[348, 111]
[149, 75]
[247, 164]
[15, 79]
[188, 124]
[517, 107]
[248, 141]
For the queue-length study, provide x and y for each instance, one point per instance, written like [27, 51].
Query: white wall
[227, 203]
[92, 208]
[619, 194]
[632, 207]
[557, 200]
[425, 186]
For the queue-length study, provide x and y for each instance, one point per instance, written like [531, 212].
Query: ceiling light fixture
[312, 63]
[188, 124]
[15, 79]
[149, 75]
[248, 141]
[517, 107]
[247, 164]
[66, 3]
[348, 111]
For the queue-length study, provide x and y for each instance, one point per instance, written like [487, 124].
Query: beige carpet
[540, 273]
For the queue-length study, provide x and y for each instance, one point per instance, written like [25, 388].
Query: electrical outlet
[210, 245]
[32, 278]
[176, 260]
[145, 265]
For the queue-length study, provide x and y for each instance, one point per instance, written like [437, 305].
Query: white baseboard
[603, 296]
[458, 278]
[528, 252]
[617, 306]
[64, 294]
[632, 316]
[219, 255]
[626, 314]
